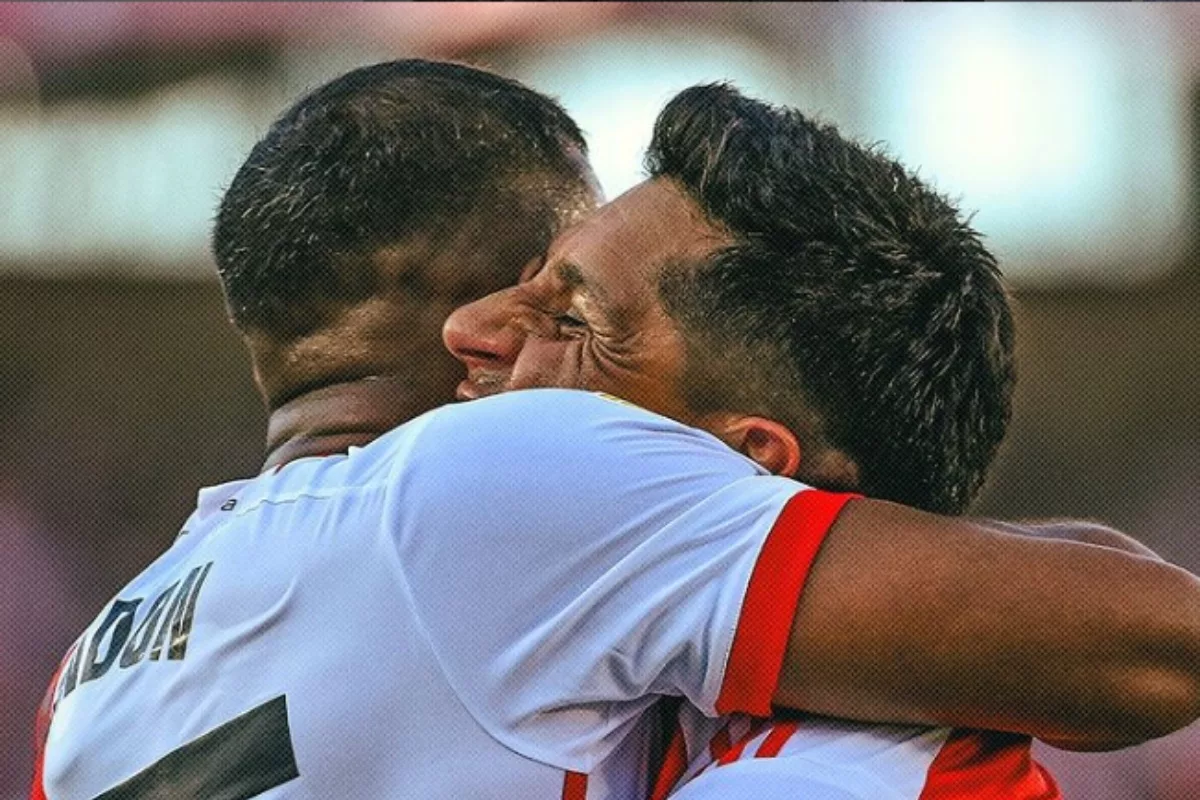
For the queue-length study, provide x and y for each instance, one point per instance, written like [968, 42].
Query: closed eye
[569, 322]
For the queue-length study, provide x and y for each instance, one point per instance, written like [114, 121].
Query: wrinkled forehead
[633, 237]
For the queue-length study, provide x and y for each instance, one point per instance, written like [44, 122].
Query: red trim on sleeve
[776, 739]
[575, 786]
[987, 766]
[771, 599]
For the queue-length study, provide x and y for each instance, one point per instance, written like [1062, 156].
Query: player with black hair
[816, 307]
[377, 204]
[489, 600]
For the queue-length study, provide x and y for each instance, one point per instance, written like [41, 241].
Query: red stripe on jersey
[734, 753]
[987, 766]
[771, 599]
[574, 786]
[720, 744]
[45, 714]
[675, 763]
[776, 739]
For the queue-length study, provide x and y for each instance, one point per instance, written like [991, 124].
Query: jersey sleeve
[571, 557]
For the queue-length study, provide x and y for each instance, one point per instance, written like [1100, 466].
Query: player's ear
[772, 444]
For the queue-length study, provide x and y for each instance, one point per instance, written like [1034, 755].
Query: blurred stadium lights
[60, 31]
[460, 28]
[615, 83]
[127, 188]
[1062, 124]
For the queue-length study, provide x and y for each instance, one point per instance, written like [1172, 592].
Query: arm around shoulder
[916, 618]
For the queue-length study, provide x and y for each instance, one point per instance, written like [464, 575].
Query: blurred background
[1072, 130]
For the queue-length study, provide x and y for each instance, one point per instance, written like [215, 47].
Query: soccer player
[819, 309]
[485, 602]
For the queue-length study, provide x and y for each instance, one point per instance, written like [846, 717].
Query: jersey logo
[164, 629]
[614, 399]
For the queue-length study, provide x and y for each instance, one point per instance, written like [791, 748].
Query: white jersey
[818, 758]
[482, 603]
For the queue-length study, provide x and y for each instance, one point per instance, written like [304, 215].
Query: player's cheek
[575, 367]
[544, 363]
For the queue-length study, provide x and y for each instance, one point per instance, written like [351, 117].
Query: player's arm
[1084, 532]
[1081, 531]
[913, 617]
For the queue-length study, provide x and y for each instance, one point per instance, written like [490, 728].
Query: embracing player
[488, 601]
[767, 275]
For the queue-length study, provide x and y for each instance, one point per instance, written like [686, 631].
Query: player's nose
[484, 333]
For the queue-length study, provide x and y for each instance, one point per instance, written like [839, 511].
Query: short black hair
[380, 155]
[853, 294]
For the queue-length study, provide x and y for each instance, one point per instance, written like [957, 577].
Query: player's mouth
[481, 384]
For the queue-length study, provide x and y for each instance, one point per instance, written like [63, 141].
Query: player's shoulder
[562, 441]
[550, 407]
[539, 422]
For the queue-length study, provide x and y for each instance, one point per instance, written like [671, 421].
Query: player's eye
[569, 323]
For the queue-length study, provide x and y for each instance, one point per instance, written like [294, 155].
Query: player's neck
[336, 417]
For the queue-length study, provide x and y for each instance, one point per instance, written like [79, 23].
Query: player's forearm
[909, 617]
[1091, 533]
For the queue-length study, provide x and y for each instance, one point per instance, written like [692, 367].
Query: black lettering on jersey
[181, 627]
[135, 651]
[70, 676]
[240, 759]
[165, 626]
[120, 621]
[177, 626]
